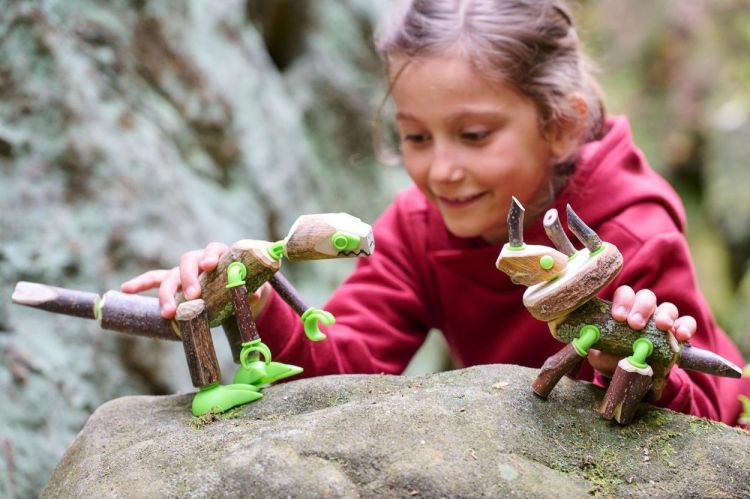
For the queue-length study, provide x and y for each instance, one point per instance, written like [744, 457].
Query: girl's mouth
[459, 202]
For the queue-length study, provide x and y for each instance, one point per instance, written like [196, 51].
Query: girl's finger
[644, 307]
[189, 271]
[169, 286]
[684, 328]
[211, 255]
[148, 280]
[622, 302]
[665, 315]
[605, 363]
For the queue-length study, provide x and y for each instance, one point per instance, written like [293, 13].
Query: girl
[494, 99]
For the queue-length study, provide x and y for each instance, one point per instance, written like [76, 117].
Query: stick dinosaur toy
[562, 287]
[240, 271]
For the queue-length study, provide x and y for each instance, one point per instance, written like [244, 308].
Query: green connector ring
[344, 242]
[546, 262]
[236, 273]
[587, 337]
[276, 250]
[642, 349]
[253, 347]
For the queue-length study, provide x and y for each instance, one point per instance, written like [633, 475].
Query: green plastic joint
[599, 249]
[276, 250]
[250, 350]
[310, 320]
[745, 414]
[236, 273]
[642, 349]
[515, 248]
[98, 305]
[345, 242]
[587, 337]
[546, 262]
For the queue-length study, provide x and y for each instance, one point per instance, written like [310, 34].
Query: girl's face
[469, 144]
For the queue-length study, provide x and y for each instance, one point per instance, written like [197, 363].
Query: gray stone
[477, 432]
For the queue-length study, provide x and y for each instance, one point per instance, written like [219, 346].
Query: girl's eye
[417, 138]
[475, 136]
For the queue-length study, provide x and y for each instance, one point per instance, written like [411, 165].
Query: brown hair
[530, 45]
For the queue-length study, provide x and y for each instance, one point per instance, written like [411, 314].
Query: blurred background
[133, 131]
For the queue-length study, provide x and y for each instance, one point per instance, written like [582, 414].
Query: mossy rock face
[464, 433]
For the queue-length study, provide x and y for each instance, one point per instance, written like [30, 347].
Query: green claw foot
[310, 319]
[259, 373]
[220, 398]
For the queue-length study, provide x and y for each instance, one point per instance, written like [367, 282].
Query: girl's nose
[445, 167]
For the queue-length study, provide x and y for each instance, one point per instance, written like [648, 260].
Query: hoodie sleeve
[380, 310]
[662, 264]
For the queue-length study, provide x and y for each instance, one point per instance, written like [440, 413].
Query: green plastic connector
[599, 249]
[515, 248]
[345, 242]
[98, 305]
[236, 273]
[745, 415]
[642, 349]
[546, 262]
[276, 250]
[587, 337]
[310, 319]
[251, 347]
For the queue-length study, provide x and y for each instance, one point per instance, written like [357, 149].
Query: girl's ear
[566, 133]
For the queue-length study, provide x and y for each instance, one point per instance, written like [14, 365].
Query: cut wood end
[189, 310]
[32, 293]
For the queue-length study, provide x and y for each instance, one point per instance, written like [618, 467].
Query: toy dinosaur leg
[204, 366]
[232, 332]
[253, 371]
[630, 383]
[565, 361]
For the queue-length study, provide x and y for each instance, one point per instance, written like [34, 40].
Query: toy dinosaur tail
[115, 311]
[706, 361]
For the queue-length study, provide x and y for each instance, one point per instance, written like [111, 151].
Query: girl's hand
[637, 309]
[183, 277]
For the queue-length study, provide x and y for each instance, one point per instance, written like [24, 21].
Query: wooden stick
[556, 234]
[57, 300]
[706, 361]
[554, 368]
[245, 320]
[196, 339]
[136, 314]
[232, 332]
[515, 223]
[583, 232]
[288, 293]
[626, 390]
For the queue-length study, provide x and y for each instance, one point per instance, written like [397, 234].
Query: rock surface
[464, 433]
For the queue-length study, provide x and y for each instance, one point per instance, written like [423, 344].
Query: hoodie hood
[613, 175]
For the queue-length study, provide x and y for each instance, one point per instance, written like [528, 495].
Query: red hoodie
[422, 277]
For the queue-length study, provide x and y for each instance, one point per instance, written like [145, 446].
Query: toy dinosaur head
[561, 279]
[328, 235]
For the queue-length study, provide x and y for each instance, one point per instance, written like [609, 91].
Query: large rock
[464, 433]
